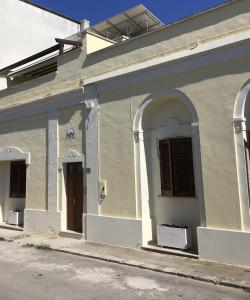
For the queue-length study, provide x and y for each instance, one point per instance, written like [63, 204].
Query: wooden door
[74, 196]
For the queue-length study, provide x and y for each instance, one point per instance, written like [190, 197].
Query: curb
[200, 278]
[149, 267]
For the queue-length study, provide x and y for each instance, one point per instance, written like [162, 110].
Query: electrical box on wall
[102, 190]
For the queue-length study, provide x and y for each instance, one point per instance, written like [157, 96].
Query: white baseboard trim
[42, 221]
[225, 246]
[114, 231]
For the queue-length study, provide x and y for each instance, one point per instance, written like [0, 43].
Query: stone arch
[241, 123]
[143, 207]
[239, 107]
[169, 93]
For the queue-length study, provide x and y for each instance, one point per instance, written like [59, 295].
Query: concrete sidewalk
[225, 275]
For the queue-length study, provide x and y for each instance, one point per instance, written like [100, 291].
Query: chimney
[84, 24]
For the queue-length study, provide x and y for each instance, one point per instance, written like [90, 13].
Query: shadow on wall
[220, 70]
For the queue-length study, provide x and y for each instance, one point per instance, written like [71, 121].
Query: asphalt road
[28, 273]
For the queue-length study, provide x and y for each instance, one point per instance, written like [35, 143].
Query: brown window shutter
[17, 179]
[183, 173]
[166, 168]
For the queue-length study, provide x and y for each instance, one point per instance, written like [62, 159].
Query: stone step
[171, 251]
[71, 234]
[11, 227]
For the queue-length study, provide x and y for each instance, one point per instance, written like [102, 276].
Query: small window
[17, 179]
[176, 165]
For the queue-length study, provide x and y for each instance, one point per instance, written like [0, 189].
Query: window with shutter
[176, 164]
[183, 167]
[166, 168]
[17, 179]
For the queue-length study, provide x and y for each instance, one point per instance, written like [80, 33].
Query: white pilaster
[198, 177]
[3, 83]
[143, 211]
[241, 161]
[92, 157]
[52, 160]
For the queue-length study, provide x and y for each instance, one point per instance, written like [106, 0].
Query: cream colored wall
[165, 110]
[171, 39]
[29, 135]
[213, 91]
[70, 65]
[71, 118]
[27, 91]
[116, 155]
[95, 43]
[214, 96]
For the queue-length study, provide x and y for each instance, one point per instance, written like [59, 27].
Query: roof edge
[50, 11]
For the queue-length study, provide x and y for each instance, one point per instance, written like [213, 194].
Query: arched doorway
[241, 120]
[168, 118]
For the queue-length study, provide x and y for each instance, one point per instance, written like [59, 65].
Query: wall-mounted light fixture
[71, 133]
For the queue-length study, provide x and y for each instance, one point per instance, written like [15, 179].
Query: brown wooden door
[74, 196]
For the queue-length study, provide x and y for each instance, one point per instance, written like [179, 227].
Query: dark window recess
[176, 165]
[166, 168]
[17, 179]
[33, 73]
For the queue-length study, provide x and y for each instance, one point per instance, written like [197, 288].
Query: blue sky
[98, 10]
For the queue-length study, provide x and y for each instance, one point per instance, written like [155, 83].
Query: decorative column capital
[138, 136]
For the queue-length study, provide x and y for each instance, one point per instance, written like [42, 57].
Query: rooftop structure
[130, 23]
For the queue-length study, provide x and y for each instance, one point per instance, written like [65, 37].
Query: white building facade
[154, 129]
